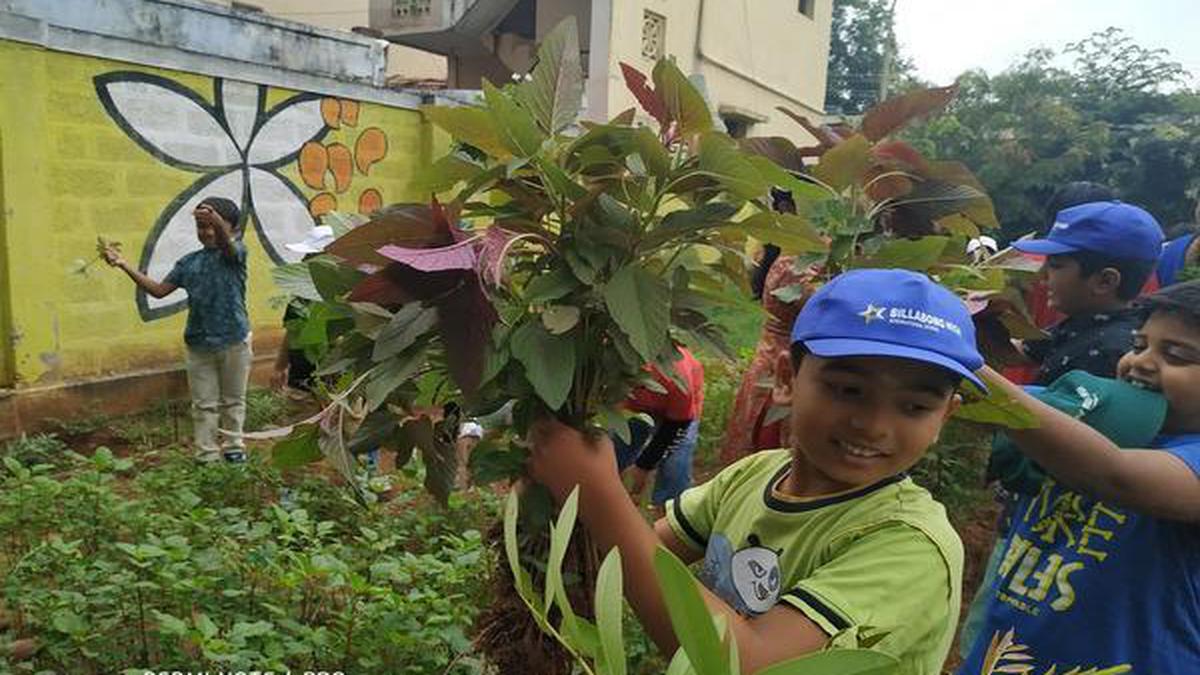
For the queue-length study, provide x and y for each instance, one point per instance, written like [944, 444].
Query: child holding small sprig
[829, 543]
[218, 329]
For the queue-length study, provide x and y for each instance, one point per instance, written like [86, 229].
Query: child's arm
[158, 289]
[222, 229]
[1150, 481]
[563, 458]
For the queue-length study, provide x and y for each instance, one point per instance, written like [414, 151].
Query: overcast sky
[946, 37]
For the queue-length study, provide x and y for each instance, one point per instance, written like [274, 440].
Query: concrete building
[752, 55]
[117, 118]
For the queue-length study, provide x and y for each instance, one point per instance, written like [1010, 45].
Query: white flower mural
[237, 146]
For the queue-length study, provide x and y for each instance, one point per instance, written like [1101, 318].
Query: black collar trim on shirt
[777, 504]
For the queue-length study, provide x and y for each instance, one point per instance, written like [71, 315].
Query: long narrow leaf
[690, 618]
[609, 612]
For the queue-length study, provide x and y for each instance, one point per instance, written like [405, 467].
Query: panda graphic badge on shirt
[748, 579]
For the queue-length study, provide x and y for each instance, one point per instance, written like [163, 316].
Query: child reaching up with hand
[1101, 567]
[218, 330]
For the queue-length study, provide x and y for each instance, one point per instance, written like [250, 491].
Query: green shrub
[265, 408]
[182, 566]
[36, 449]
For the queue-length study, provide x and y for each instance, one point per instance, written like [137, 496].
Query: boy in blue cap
[828, 544]
[1101, 566]
[1100, 254]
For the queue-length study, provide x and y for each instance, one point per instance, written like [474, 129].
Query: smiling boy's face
[858, 420]
[1166, 357]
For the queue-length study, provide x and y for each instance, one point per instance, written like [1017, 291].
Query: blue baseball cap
[898, 313]
[1113, 228]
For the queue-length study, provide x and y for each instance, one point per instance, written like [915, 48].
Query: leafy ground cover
[127, 556]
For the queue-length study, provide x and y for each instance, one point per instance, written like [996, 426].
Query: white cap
[320, 237]
[987, 243]
[470, 429]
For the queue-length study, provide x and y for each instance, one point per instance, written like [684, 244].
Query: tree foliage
[1115, 114]
[862, 55]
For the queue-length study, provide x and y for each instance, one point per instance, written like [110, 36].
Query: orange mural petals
[313, 161]
[369, 201]
[350, 113]
[322, 204]
[341, 165]
[370, 148]
[331, 112]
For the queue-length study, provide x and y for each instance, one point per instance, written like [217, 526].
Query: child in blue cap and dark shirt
[1100, 571]
[1100, 254]
[828, 543]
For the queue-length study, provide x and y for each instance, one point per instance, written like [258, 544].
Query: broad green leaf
[640, 303]
[689, 615]
[998, 408]
[473, 126]
[688, 222]
[721, 160]
[844, 164]
[298, 449]
[910, 254]
[957, 224]
[549, 286]
[331, 280]
[409, 323]
[610, 612]
[790, 232]
[653, 153]
[549, 361]
[295, 280]
[443, 174]
[778, 149]
[169, 624]
[837, 662]
[389, 374]
[560, 538]
[555, 92]
[559, 319]
[66, 621]
[558, 181]
[683, 102]
[801, 190]
[515, 126]
[512, 551]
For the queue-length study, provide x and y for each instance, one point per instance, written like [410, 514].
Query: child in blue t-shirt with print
[218, 330]
[1101, 567]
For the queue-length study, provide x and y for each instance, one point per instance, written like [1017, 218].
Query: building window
[807, 7]
[737, 126]
[412, 9]
[654, 35]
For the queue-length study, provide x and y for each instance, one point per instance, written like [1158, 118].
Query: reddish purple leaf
[894, 113]
[413, 225]
[491, 254]
[649, 99]
[460, 256]
[465, 321]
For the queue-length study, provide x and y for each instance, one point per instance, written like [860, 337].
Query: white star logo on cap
[872, 313]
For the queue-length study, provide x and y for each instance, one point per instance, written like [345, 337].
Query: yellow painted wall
[68, 173]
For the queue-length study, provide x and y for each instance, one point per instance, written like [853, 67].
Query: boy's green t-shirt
[878, 567]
